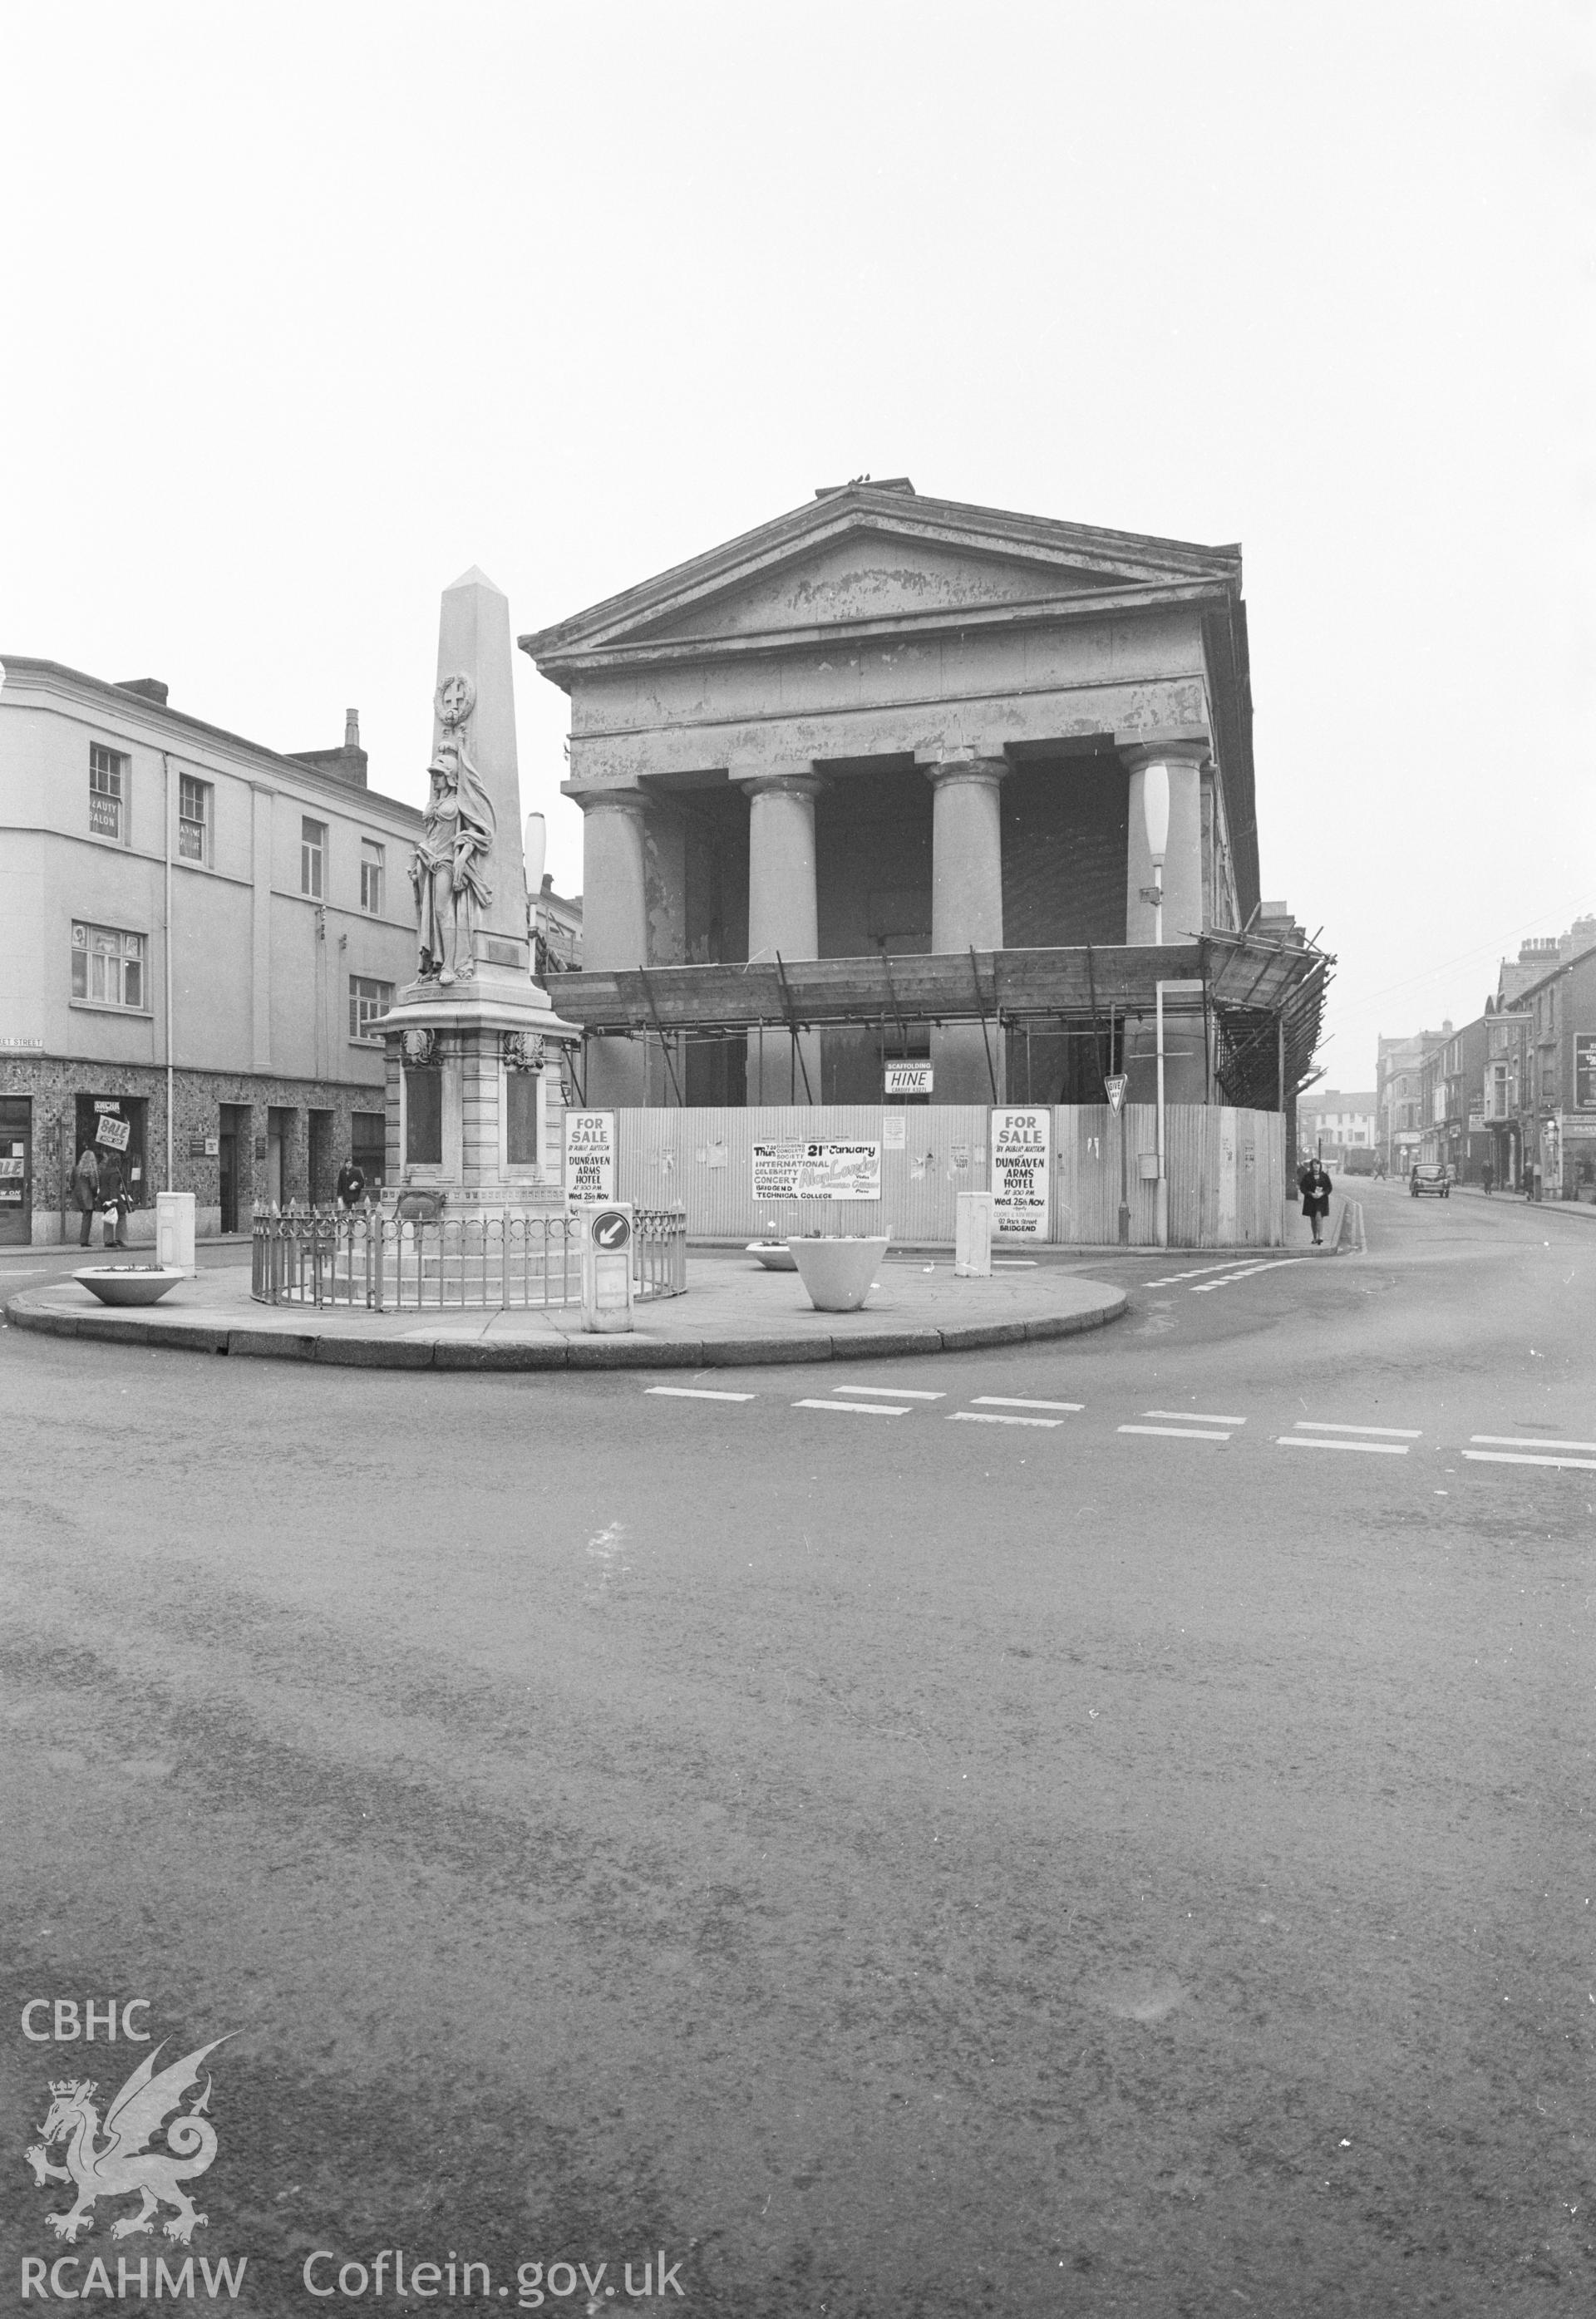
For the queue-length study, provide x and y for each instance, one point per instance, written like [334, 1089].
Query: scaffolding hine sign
[1021, 1141]
[908, 1078]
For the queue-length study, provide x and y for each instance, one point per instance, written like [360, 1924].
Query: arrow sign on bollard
[610, 1229]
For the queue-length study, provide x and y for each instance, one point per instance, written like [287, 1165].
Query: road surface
[1101, 1828]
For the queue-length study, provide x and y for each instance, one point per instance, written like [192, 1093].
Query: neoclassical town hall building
[871, 782]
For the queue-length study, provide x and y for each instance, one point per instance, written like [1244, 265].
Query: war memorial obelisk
[473, 1044]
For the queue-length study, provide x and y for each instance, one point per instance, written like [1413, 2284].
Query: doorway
[236, 1174]
[16, 1171]
[368, 1133]
[227, 1145]
[115, 1126]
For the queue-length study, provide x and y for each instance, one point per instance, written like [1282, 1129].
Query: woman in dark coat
[85, 1191]
[114, 1199]
[1314, 1184]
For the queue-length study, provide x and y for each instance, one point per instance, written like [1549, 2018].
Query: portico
[887, 728]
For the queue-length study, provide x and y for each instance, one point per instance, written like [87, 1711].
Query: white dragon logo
[122, 2164]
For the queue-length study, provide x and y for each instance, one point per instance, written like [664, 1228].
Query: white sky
[308, 309]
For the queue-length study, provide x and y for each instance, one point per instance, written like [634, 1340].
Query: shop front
[1503, 1154]
[1578, 1153]
[16, 1171]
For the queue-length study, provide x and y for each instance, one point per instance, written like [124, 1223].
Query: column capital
[943, 767]
[1175, 749]
[631, 801]
[783, 780]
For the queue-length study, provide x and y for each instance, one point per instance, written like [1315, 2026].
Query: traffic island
[734, 1316]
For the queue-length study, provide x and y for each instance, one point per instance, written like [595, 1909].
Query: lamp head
[1155, 807]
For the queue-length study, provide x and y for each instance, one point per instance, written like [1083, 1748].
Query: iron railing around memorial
[372, 1260]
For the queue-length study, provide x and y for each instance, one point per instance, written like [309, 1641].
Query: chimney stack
[345, 765]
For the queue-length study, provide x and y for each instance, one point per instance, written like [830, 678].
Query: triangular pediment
[858, 559]
[866, 576]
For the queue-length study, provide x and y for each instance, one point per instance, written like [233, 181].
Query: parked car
[1429, 1177]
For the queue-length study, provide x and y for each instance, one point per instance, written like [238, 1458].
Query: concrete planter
[773, 1254]
[839, 1274]
[128, 1284]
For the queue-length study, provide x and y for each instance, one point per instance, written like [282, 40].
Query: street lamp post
[166, 961]
[1155, 807]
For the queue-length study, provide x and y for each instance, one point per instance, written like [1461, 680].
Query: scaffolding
[1262, 1005]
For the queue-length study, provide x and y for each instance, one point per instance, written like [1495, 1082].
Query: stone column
[966, 912]
[615, 929]
[474, 643]
[1183, 857]
[783, 916]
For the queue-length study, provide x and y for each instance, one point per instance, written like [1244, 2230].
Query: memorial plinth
[474, 1045]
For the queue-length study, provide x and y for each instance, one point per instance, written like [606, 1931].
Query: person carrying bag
[113, 1198]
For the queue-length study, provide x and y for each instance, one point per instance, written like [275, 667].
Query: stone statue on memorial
[449, 869]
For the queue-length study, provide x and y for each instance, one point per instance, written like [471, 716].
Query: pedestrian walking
[1487, 1177]
[1314, 1185]
[85, 1192]
[114, 1200]
[351, 1184]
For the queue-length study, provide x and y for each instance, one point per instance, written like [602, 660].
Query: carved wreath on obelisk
[449, 869]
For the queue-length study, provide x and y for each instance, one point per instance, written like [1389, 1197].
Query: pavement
[1575, 1211]
[733, 1312]
[1094, 1828]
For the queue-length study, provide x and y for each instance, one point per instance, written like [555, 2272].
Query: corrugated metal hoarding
[1226, 1168]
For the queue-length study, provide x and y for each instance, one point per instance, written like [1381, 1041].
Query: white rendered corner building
[182, 907]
